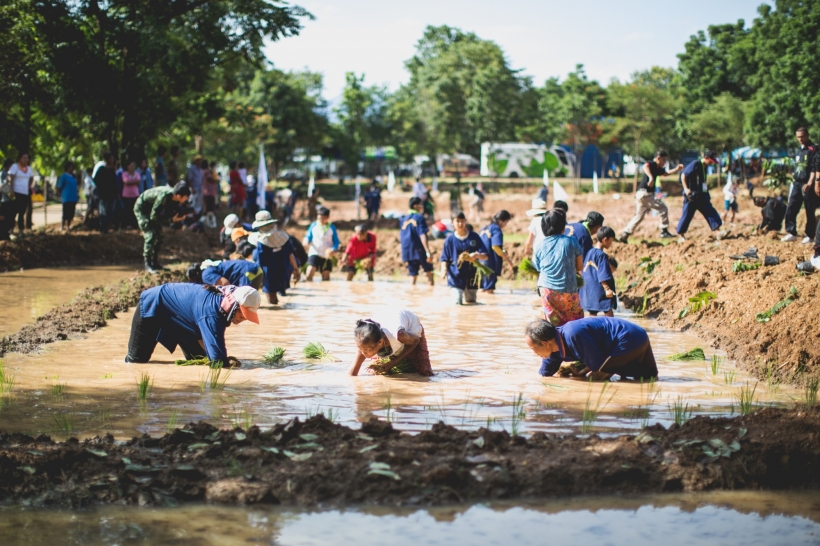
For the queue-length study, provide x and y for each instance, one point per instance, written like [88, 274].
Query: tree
[719, 125]
[582, 103]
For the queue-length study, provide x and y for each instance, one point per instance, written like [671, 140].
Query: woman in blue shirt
[235, 272]
[604, 345]
[69, 194]
[493, 238]
[558, 258]
[462, 249]
[190, 316]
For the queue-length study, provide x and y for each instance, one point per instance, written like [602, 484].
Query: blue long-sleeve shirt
[238, 273]
[592, 340]
[187, 313]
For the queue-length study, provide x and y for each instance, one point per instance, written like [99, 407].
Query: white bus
[514, 160]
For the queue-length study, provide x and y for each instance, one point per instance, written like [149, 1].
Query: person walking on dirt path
[605, 346]
[21, 179]
[730, 191]
[69, 190]
[191, 316]
[802, 189]
[153, 209]
[160, 172]
[598, 293]
[696, 196]
[322, 241]
[105, 179]
[360, 252]
[372, 203]
[586, 230]
[275, 253]
[397, 341]
[6, 201]
[647, 199]
[493, 238]
[415, 249]
[462, 249]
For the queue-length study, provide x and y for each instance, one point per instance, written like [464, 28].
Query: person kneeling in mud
[604, 346]
[190, 316]
[240, 272]
[398, 344]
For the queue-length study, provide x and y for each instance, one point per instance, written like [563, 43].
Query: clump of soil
[318, 462]
[785, 348]
[89, 311]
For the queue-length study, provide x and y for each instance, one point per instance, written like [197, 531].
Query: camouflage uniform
[154, 208]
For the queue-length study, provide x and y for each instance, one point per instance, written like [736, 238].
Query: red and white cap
[249, 301]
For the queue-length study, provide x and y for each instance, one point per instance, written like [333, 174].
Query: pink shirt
[208, 183]
[130, 184]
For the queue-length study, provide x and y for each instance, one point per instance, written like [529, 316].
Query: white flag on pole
[358, 187]
[559, 193]
[595, 181]
[261, 179]
[311, 185]
[391, 181]
[546, 178]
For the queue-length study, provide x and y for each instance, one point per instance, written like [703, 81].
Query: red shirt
[357, 249]
[238, 194]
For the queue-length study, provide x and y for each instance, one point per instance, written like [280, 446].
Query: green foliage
[680, 410]
[591, 410]
[811, 388]
[717, 362]
[7, 379]
[740, 266]
[144, 386]
[697, 302]
[746, 398]
[719, 125]
[315, 351]
[526, 267]
[648, 265]
[778, 172]
[693, 354]
[766, 316]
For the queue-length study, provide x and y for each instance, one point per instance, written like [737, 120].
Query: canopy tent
[747, 152]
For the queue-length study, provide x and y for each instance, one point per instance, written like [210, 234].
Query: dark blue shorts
[413, 267]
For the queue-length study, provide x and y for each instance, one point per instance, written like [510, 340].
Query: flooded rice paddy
[725, 518]
[485, 375]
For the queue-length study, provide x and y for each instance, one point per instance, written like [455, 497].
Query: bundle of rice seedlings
[402, 367]
[463, 258]
[193, 362]
[481, 271]
[316, 351]
[579, 280]
[274, 355]
[694, 354]
[526, 267]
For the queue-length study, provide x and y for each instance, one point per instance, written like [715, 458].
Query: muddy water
[485, 375]
[33, 292]
[707, 519]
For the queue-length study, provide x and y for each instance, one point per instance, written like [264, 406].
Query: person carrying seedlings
[586, 230]
[462, 249]
[646, 196]
[191, 316]
[730, 191]
[696, 196]
[604, 346]
[322, 240]
[415, 250]
[157, 206]
[802, 189]
[360, 252]
[598, 293]
[397, 342]
[493, 238]
[274, 253]
[69, 194]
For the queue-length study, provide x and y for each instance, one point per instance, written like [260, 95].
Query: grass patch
[810, 397]
[58, 390]
[7, 380]
[729, 377]
[316, 351]
[717, 362]
[648, 265]
[518, 414]
[64, 421]
[215, 378]
[767, 315]
[241, 419]
[693, 354]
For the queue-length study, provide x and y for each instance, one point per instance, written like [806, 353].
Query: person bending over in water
[397, 341]
[604, 346]
[192, 316]
[242, 272]
[360, 252]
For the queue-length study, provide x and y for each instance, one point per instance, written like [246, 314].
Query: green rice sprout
[699, 301]
[641, 310]
[193, 362]
[63, 421]
[58, 390]
[172, 422]
[729, 377]
[812, 386]
[481, 271]
[526, 267]
[591, 411]
[316, 351]
[767, 315]
[217, 376]
[648, 265]
[717, 361]
[241, 419]
[518, 414]
[746, 398]
[388, 407]
[274, 356]
[694, 354]
[144, 386]
[680, 410]
[6, 380]
[741, 266]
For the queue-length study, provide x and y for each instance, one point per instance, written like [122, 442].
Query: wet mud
[317, 462]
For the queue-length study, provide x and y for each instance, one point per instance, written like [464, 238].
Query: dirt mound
[318, 462]
[783, 348]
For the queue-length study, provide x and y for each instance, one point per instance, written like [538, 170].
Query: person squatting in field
[397, 342]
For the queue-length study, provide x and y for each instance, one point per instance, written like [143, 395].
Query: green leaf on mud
[310, 445]
[271, 449]
[734, 446]
[126, 460]
[379, 466]
[299, 456]
[644, 438]
[741, 432]
[240, 436]
[37, 453]
[364, 437]
[688, 442]
[97, 453]
[368, 448]
[387, 473]
[193, 447]
[479, 441]
[309, 437]
[27, 469]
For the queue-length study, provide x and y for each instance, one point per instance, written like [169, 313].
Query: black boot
[666, 235]
[149, 267]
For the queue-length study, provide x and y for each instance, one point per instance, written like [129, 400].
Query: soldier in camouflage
[154, 208]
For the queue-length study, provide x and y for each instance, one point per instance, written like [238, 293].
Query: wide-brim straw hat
[539, 207]
[262, 219]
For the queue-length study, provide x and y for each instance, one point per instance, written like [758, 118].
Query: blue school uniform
[413, 226]
[581, 234]
[596, 271]
[238, 273]
[275, 266]
[464, 278]
[492, 236]
[187, 313]
[373, 201]
[67, 186]
[592, 340]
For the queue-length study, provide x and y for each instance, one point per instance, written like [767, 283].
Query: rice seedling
[144, 386]
[172, 422]
[58, 390]
[481, 271]
[316, 351]
[767, 315]
[526, 267]
[741, 266]
[591, 411]
[729, 377]
[241, 419]
[697, 302]
[216, 377]
[63, 421]
[746, 398]
[6, 380]
[680, 410]
[518, 414]
[717, 362]
[812, 386]
[204, 361]
[641, 309]
[274, 356]
[648, 265]
[648, 399]
[388, 405]
[693, 354]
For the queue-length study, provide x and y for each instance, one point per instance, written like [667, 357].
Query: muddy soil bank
[319, 463]
[55, 249]
[785, 348]
[89, 311]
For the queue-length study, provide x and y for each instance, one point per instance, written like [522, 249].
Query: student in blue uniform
[466, 247]
[275, 255]
[696, 196]
[373, 202]
[244, 272]
[493, 238]
[415, 250]
[598, 292]
[584, 231]
[191, 316]
[604, 345]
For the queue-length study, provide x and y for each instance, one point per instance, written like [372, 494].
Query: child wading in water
[322, 240]
[462, 249]
[598, 292]
[493, 238]
[360, 250]
[415, 251]
[398, 342]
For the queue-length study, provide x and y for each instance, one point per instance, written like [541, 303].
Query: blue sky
[612, 38]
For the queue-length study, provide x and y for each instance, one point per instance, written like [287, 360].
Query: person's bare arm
[357, 363]
[423, 239]
[579, 263]
[409, 341]
[528, 244]
[607, 290]
[685, 184]
[648, 173]
[444, 266]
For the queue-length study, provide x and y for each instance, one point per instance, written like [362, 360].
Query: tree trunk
[199, 143]
[635, 161]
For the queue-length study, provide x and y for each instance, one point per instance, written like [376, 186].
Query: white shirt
[535, 229]
[419, 190]
[730, 192]
[243, 175]
[401, 320]
[21, 181]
